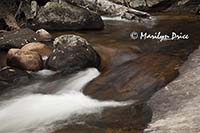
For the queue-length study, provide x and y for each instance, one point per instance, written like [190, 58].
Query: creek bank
[176, 106]
[170, 6]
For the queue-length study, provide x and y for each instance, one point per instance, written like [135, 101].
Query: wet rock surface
[176, 107]
[64, 16]
[17, 39]
[137, 80]
[72, 53]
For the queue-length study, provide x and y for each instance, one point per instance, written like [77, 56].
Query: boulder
[64, 16]
[72, 53]
[44, 35]
[12, 76]
[17, 39]
[134, 80]
[43, 50]
[25, 60]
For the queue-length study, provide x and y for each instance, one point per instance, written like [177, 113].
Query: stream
[60, 106]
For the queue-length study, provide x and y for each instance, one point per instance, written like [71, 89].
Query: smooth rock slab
[134, 80]
[176, 107]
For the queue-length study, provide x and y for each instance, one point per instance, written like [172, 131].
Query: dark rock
[3, 59]
[25, 60]
[12, 76]
[185, 6]
[64, 16]
[17, 39]
[174, 6]
[134, 80]
[72, 53]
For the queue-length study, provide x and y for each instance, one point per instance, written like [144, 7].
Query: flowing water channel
[43, 106]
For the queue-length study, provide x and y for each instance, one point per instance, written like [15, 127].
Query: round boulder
[43, 50]
[72, 53]
[44, 35]
[25, 60]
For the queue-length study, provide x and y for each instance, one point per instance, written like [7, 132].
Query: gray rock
[176, 107]
[64, 16]
[185, 6]
[17, 39]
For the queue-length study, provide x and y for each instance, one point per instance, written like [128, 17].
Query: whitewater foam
[33, 111]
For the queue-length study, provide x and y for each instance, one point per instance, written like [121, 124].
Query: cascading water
[32, 112]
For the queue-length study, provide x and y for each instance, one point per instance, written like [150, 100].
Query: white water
[36, 111]
[148, 23]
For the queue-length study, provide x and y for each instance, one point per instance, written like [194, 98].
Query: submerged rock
[115, 55]
[11, 76]
[72, 53]
[134, 80]
[64, 16]
[17, 39]
[25, 60]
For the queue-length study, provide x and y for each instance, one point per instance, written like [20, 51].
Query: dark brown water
[117, 33]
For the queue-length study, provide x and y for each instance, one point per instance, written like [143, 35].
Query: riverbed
[61, 104]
